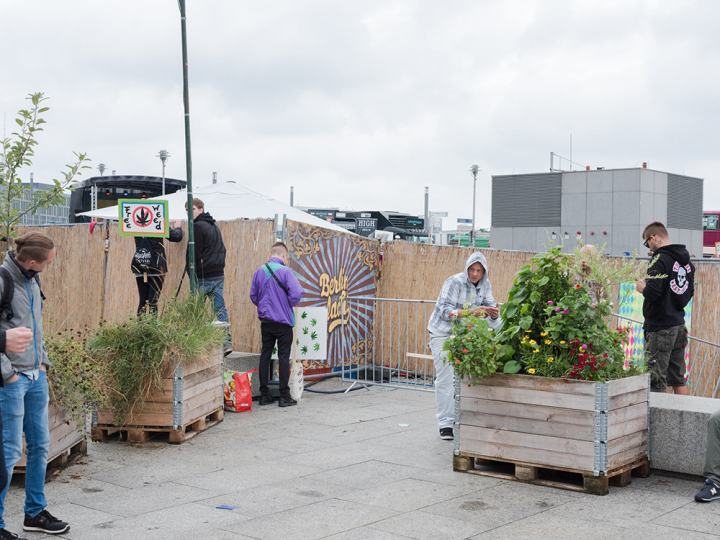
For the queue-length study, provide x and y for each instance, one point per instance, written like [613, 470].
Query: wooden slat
[617, 430]
[628, 413]
[528, 441]
[541, 457]
[622, 444]
[628, 456]
[188, 391]
[628, 399]
[529, 382]
[541, 413]
[533, 397]
[629, 384]
[553, 428]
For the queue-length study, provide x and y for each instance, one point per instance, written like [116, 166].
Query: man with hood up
[471, 286]
[663, 309]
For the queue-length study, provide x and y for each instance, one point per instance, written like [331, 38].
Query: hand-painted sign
[139, 217]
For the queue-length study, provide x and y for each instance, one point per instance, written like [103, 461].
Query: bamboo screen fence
[418, 271]
[77, 298]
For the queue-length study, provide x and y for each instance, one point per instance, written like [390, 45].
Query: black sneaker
[227, 350]
[446, 433]
[709, 492]
[286, 401]
[265, 400]
[45, 522]
[7, 535]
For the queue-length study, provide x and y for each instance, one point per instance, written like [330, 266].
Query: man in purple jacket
[275, 291]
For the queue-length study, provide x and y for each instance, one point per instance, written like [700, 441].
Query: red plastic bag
[237, 391]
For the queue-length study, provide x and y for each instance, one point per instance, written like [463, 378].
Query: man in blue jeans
[24, 396]
[210, 263]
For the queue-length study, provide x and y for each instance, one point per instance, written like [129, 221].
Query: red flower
[464, 350]
[469, 325]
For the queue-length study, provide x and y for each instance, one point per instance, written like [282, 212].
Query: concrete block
[661, 183]
[647, 181]
[600, 182]
[647, 208]
[599, 208]
[696, 244]
[524, 239]
[501, 237]
[574, 182]
[628, 238]
[626, 180]
[242, 362]
[678, 432]
[573, 209]
[626, 208]
[659, 208]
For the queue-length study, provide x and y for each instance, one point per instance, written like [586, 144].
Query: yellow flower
[544, 333]
[562, 343]
[536, 351]
[548, 342]
[532, 342]
[528, 331]
[550, 359]
[531, 371]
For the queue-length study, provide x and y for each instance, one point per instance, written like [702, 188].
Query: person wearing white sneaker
[711, 489]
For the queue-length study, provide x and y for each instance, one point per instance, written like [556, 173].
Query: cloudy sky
[361, 104]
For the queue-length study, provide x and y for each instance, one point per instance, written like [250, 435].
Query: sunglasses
[645, 243]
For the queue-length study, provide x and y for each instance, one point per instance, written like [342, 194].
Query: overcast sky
[361, 104]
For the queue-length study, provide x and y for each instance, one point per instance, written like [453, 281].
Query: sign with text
[139, 217]
[464, 220]
[366, 226]
[439, 214]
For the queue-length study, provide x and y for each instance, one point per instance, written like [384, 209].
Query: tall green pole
[188, 154]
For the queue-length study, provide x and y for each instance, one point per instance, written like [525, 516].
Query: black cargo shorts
[665, 357]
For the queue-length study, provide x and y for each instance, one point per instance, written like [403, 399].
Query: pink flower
[565, 312]
[557, 309]
[550, 302]
[465, 350]
[457, 362]
[584, 347]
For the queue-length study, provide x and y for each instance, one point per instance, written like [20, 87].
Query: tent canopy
[225, 202]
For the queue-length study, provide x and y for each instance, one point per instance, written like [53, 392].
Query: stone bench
[678, 432]
[242, 362]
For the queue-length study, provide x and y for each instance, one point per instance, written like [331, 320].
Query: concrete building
[53, 215]
[610, 207]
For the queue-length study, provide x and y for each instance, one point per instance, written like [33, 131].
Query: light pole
[474, 170]
[101, 167]
[163, 155]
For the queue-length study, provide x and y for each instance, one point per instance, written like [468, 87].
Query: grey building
[610, 207]
[53, 215]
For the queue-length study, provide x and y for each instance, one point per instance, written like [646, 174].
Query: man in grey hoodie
[471, 286]
[24, 396]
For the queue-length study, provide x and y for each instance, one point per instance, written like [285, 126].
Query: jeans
[282, 334]
[444, 383]
[213, 289]
[24, 406]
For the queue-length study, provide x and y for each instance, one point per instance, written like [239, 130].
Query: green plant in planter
[136, 351]
[471, 347]
[555, 323]
[76, 382]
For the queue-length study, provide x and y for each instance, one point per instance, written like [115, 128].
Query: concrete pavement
[362, 465]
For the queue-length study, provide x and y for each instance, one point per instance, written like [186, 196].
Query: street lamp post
[163, 155]
[474, 170]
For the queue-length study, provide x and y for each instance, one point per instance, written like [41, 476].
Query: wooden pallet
[59, 461]
[557, 477]
[141, 434]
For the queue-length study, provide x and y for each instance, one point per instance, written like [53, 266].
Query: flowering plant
[471, 347]
[555, 323]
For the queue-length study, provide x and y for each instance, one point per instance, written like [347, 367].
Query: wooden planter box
[66, 442]
[188, 402]
[598, 430]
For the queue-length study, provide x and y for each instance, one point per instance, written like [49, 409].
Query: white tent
[225, 202]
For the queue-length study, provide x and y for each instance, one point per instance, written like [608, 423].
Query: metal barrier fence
[386, 341]
[386, 344]
[702, 364]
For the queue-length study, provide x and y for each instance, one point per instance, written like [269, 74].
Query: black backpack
[149, 257]
[9, 291]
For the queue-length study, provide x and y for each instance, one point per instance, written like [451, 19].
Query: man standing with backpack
[276, 291]
[24, 396]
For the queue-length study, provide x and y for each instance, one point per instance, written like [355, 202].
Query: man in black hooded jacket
[664, 309]
[210, 262]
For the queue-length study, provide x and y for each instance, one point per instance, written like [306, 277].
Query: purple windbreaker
[271, 301]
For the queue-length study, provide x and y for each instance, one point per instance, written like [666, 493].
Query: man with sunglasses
[664, 309]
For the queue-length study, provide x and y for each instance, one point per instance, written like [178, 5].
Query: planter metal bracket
[456, 424]
[601, 428]
[601, 397]
[178, 398]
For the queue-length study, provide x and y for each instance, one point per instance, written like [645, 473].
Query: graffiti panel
[332, 266]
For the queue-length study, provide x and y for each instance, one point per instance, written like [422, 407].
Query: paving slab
[364, 465]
